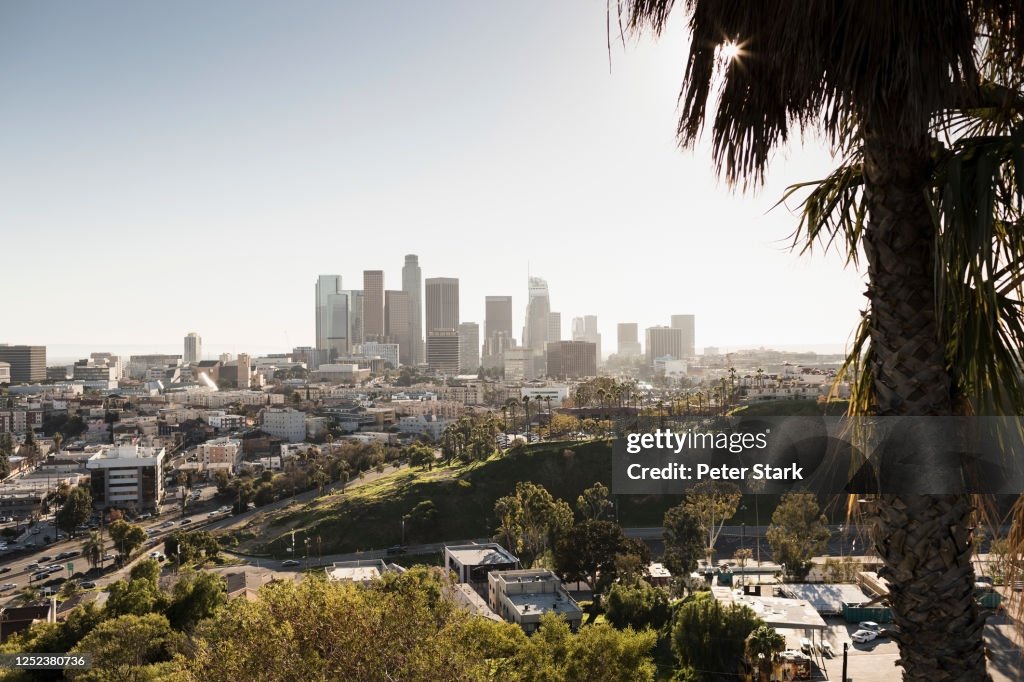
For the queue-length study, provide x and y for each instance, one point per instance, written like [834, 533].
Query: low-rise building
[361, 571]
[522, 597]
[285, 423]
[424, 425]
[126, 474]
[471, 563]
[220, 453]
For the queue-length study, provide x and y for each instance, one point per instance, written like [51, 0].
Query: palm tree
[93, 548]
[762, 648]
[923, 100]
[526, 409]
[58, 440]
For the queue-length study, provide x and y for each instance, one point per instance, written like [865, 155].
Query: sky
[193, 166]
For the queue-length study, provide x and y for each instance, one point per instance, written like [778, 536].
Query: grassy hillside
[370, 516]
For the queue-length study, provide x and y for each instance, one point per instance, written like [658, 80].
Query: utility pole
[846, 648]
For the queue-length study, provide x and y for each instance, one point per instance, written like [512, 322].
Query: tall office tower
[443, 351]
[442, 303]
[326, 285]
[535, 334]
[28, 363]
[585, 329]
[498, 315]
[412, 284]
[554, 327]
[629, 339]
[571, 359]
[688, 324]
[245, 370]
[469, 347]
[355, 317]
[373, 305]
[398, 323]
[193, 348]
[663, 342]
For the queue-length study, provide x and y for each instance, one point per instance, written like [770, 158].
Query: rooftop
[481, 555]
[543, 602]
[827, 598]
[776, 612]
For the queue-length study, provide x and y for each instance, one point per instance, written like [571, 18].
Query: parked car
[889, 631]
[290, 562]
[395, 549]
[862, 636]
[869, 625]
[184, 521]
[5, 569]
[157, 555]
[88, 585]
[108, 557]
[7, 586]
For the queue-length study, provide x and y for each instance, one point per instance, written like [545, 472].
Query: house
[17, 619]
[471, 563]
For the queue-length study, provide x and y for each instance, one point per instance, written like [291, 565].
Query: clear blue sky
[170, 167]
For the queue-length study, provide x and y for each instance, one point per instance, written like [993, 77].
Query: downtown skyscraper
[442, 303]
[538, 310]
[686, 324]
[333, 317]
[373, 305]
[193, 348]
[412, 280]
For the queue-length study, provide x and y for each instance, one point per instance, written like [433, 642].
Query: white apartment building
[423, 425]
[127, 475]
[285, 423]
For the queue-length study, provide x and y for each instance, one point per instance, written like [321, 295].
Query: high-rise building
[535, 333]
[687, 324]
[355, 316]
[442, 303]
[193, 348]
[398, 324]
[412, 281]
[443, 350]
[554, 327]
[571, 359]
[245, 370]
[28, 363]
[373, 305]
[663, 342]
[585, 329]
[333, 323]
[629, 339]
[469, 347]
[497, 330]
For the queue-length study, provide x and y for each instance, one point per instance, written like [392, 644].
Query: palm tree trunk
[923, 540]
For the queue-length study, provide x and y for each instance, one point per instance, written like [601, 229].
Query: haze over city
[196, 167]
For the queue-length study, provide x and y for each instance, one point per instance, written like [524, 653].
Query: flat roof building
[28, 363]
[472, 563]
[522, 597]
[571, 359]
[124, 475]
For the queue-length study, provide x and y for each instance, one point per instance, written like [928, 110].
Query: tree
[196, 596]
[127, 537]
[420, 455]
[593, 503]
[530, 520]
[76, 510]
[92, 550]
[798, 532]
[709, 637]
[762, 649]
[127, 647]
[712, 503]
[925, 105]
[683, 541]
[637, 605]
[587, 552]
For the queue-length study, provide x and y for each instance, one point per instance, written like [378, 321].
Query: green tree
[762, 649]
[76, 510]
[531, 520]
[93, 548]
[637, 605]
[127, 537]
[709, 637]
[593, 503]
[588, 552]
[683, 540]
[925, 107]
[127, 648]
[196, 596]
[798, 532]
[420, 455]
[712, 503]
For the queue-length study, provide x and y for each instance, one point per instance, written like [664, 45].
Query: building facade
[284, 423]
[628, 339]
[398, 324]
[28, 363]
[538, 307]
[522, 597]
[127, 475]
[687, 325]
[443, 351]
[442, 303]
[662, 342]
[469, 347]
[412, 284]
[193, 348]
[373, 305]
[572, 359]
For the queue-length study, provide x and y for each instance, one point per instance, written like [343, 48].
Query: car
[185, 521]
[290, 562]
[166, 524]
[88, 585]
[45, 557]
[8, 586]
[806, 646]
[39, 575]
[108, 557]
[32, 566]
[889, 631]
[157, 555]
[869, 625]
[395, 549]
[55, 568]
[212, 514]
[862, 636]
[5, 569]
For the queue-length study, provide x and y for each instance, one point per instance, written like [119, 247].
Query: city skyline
[563, 165]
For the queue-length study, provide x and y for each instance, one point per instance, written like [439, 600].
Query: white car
[869, 625]
[7, 586]
[862, 636]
